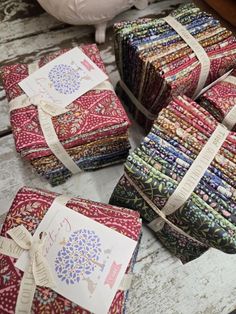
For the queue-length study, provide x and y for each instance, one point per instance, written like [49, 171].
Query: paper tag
[64, 79]
[87, 259]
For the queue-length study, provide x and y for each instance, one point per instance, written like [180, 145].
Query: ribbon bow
[38, 263]
[37, 274]
[46, 106]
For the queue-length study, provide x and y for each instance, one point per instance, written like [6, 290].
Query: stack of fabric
[28, 209]
[94, 131]
[155, 169]
[220, 99]
[156, 63]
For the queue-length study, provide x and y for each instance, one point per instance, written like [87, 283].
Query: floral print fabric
[95, 116]
[28, 208]
[159, 164]
[156, 64]
[220, 98]
[88, 157]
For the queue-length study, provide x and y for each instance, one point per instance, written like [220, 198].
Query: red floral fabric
[94, 115]
[28, 208]
[221, 98]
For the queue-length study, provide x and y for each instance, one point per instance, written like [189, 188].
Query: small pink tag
[87, 65]
[112, 275]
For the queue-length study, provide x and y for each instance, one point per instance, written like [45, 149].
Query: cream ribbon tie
[48, 107]
[37, 273]
[40, 267]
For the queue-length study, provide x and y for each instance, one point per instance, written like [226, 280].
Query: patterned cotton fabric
[159, 164]
[221, 98]
[28, 209]
[156, 64]
[93, 131]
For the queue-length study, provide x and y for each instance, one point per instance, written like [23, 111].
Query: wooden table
[161, 283]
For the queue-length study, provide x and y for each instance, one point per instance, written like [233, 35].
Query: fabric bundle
[156, 63]
[94, 131]
[28, 209]
[220, 99]
[156, 168]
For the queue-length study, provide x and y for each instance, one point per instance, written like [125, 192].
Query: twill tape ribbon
[197, 49]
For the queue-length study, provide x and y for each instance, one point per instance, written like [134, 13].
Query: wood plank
[21, 28]
[206, 285]
[14, 9]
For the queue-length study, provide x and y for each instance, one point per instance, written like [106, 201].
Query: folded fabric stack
[155, 169]
[156, 63]
[28, 208]
[220, 99]
[94, 131]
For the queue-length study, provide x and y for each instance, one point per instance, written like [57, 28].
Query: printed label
[64, 79]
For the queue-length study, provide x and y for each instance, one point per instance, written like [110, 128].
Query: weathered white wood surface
[24, 40]
[162, 285]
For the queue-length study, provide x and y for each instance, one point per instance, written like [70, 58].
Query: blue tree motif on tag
[65, 79]
[79, 257]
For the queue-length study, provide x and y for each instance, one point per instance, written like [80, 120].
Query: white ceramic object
[90, 12]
